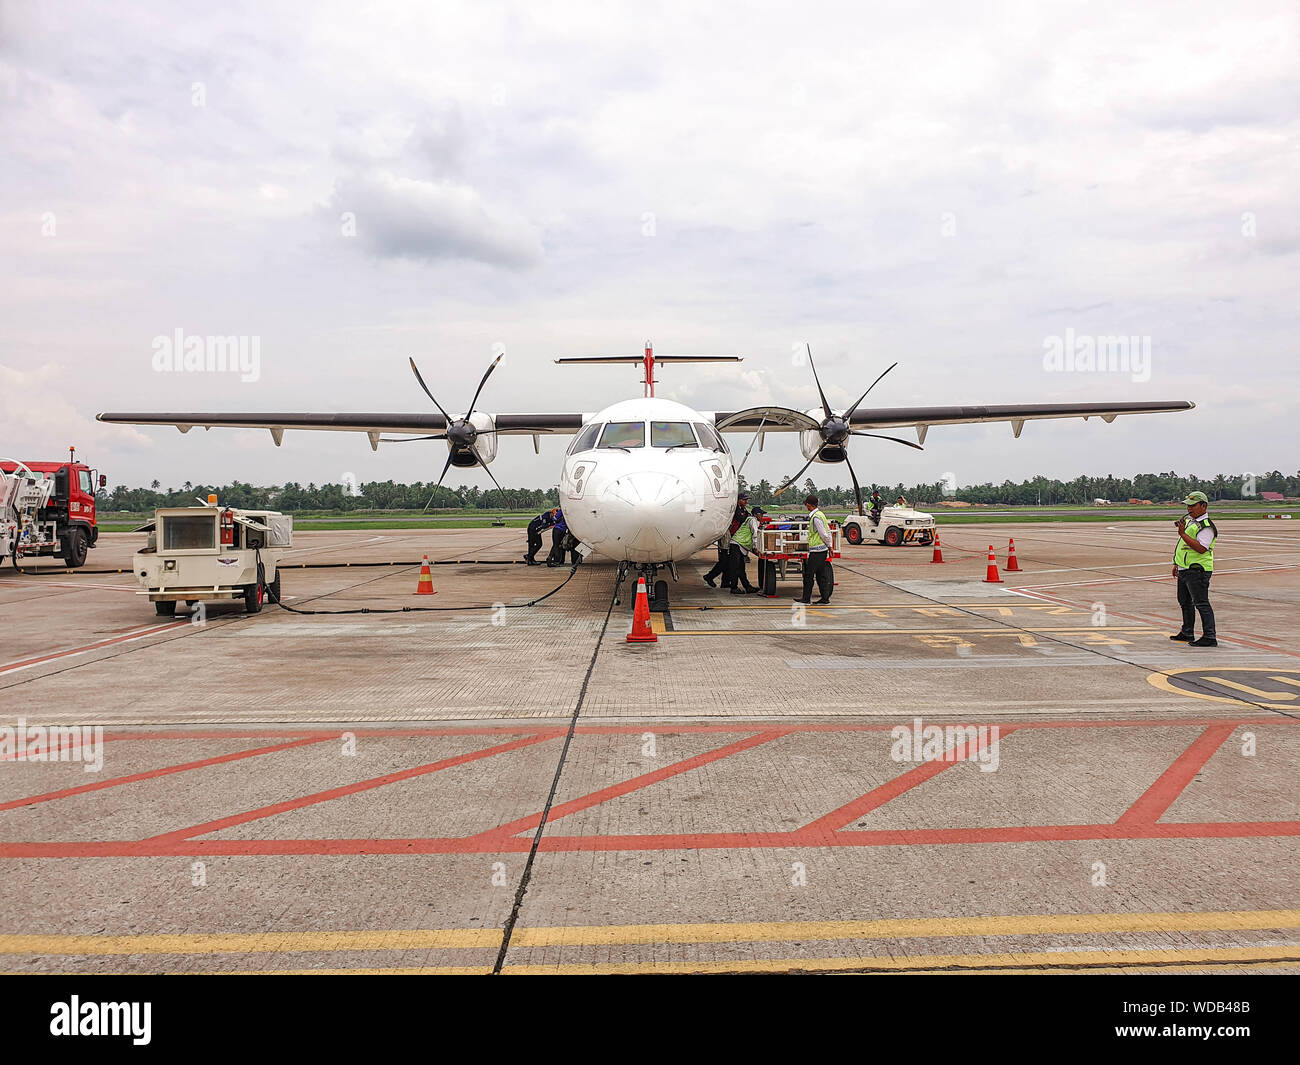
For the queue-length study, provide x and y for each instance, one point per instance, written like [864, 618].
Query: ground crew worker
[536, 527]
[723, 566]
[818, 564]
[742, 543]
[877, 505]
[901, 502]
[559, 530]
[1193, 566]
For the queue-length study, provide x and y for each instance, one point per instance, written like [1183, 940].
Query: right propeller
[835, 430]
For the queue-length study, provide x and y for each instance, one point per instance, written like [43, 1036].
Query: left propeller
[461, 434]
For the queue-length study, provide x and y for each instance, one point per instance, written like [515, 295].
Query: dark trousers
[1194, 598]
[721, 568]
[818, 568]
[534, 541]
[737, 572]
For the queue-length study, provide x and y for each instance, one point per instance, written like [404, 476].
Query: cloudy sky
[949, 186]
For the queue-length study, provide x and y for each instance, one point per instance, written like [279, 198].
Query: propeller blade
[445, 467]
[482, 383]
[408, 439]
[793, 479]
[848, 417]
[857, 489]
[895, 439]
[416, 370]
[825, 406]
[484, 464]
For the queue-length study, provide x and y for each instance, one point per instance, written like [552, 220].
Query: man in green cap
[1193, 566]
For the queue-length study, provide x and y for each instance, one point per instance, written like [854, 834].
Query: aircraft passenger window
[709, 437]
[623, 434]
[586, 439]
[671, 434]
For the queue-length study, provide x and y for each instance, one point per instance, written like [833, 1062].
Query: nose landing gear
[656, 590]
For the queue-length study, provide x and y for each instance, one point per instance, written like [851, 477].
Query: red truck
[48, 508]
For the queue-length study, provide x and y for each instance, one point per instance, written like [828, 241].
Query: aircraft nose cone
[655, 510]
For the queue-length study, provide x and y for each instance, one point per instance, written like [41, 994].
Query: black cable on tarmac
[509, 928]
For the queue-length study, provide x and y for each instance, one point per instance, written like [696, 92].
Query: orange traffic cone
[641, 630]
[1013, 564]
[938, 553]
[992, 576]
[425, 587]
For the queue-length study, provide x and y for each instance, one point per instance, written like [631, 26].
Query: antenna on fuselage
[647, 362]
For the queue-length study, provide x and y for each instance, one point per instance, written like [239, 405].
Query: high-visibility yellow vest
[744, 536]
[1184, 556]
[814, 537]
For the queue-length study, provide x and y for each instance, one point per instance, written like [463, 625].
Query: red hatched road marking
[150, 774]
[614, 791]
[13, 667]
[353, 789]
[1161, 795]
[1139, 822]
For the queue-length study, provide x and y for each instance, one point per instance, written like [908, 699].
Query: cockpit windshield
[623, 434]
[671, 434]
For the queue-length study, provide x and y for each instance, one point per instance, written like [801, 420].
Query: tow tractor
[892, 526]
[210, 554]
[48, 508]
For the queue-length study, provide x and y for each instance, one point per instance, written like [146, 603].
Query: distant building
[1101, 502]
[1272, 497]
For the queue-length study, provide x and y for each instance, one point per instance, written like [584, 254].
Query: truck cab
[49, 510]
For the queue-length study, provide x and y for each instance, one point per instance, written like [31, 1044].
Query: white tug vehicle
[892, 526]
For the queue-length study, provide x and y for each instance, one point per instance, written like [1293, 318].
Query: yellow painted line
[657, 623]
[1035, 961]
[1164, 682]
[251, 943]
[907, 928]
[606, 935]
[484, 970]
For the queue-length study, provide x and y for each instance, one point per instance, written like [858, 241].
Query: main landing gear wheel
[853, 534]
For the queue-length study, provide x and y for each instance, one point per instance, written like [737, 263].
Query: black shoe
[1182, 637]
[1205, 641]
[805, 602]
[710, 582]
[532, 561]
[738, 591]
[822, 602]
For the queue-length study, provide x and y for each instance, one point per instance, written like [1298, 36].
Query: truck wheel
[893, 536]
[253, 597]
[74, 549]
[273, 591]
[165, 608]
[853, 533]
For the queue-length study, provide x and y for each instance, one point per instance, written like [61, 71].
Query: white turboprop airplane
[649, 482]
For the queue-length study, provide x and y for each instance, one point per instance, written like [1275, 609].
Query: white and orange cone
[1013, 564]
[992, 576]
[938, 552]
[425, 587]
[641, 630]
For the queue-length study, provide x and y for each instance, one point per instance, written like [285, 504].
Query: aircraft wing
[373, 425]
[923, 417]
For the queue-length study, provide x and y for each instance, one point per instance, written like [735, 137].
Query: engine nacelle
[815, 448]
[485, 442]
